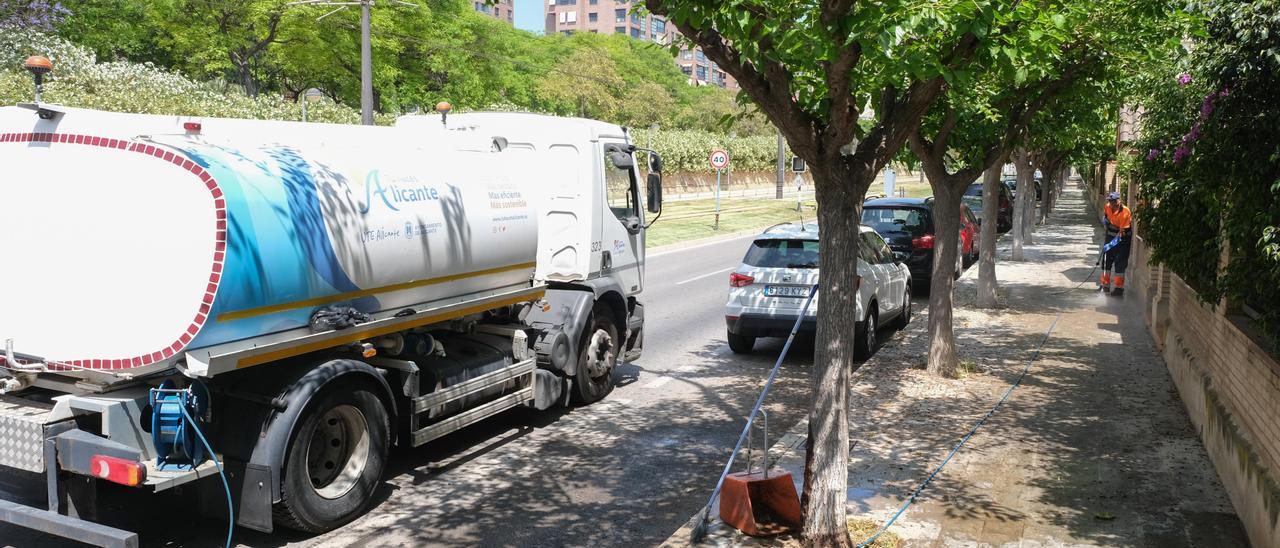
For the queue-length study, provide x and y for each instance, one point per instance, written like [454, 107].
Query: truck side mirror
[655, 163]
[655, 192]
[797, 164]
[621, 160]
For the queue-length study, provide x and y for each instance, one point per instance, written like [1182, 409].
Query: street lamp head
[312, 95]
[443, 107]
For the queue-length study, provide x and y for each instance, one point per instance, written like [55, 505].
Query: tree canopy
[440, 51]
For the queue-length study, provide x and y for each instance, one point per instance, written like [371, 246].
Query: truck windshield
[783, 254]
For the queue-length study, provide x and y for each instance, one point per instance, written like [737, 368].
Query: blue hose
[966, 437]
[231, 515]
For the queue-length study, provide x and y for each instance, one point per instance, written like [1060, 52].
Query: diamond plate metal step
[22, 424]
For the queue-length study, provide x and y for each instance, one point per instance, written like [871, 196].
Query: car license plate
[786, 291]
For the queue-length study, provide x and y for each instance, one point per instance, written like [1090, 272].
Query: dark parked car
[906, 224]
[1004, 211]
[1011, 183]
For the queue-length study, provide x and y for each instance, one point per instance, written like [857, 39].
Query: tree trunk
[827, 461]
[1022, 161]
[946, 237]
[987, 252]
[247, 80]
[1029, 208]
[1042, 213]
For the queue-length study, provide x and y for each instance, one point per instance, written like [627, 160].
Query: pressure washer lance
[1102, 255]
[703, 517]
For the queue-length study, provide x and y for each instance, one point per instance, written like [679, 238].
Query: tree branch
[769, 86]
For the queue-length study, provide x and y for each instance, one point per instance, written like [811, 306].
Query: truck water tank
[126, 252]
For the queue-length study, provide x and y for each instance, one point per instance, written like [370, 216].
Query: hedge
[80, 80]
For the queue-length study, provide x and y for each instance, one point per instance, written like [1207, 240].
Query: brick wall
[1231, 388]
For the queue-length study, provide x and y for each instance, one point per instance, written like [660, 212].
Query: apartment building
[502, 10]
[605, 17]
[616, 17]
[702, 71]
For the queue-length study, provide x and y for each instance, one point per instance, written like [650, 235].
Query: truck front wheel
[597, 358]
[335, 461]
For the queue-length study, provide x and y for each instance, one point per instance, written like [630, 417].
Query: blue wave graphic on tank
[278, 249]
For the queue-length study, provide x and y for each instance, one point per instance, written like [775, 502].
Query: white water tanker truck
[187, 300]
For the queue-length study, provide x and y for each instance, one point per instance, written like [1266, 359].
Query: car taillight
[118, 470]
[923, 242]
[740, 280]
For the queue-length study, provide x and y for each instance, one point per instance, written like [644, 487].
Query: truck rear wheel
[597, 358]
[335, 461]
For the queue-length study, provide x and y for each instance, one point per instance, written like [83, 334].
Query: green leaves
[1208, 157]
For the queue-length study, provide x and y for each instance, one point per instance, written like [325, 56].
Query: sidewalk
[1094, 448]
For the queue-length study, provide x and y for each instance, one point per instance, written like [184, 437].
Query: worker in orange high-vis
[1119, 221]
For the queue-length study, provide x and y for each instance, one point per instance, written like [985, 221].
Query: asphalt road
[626, 471]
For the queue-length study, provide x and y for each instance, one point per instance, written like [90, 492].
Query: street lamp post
[310, 96]
[366, 46]
[366, 65]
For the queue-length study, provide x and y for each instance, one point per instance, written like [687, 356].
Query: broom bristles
[700, 526]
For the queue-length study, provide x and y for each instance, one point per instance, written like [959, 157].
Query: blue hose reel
[176, 445]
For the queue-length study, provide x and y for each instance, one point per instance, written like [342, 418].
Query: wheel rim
[338, 452]
[871, 333]
[600, 354]
[906, 305]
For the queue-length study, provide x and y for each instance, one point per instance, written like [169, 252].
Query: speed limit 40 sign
[719, 159]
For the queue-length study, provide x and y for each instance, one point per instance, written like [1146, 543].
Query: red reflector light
[923, 242]
[740, 280]
[192, 126]
[118, 470]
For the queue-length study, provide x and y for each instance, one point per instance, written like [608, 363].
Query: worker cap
[1113, 197]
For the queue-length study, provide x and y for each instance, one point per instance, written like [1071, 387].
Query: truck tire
[335, 461]
[597, 358]
[741, 344]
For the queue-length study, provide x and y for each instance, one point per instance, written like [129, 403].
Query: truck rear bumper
[66, 527]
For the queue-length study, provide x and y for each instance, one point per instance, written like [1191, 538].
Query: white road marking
[696, 278]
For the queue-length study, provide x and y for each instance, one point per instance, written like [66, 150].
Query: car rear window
[783, 254]
[973, 190]
[905, 220]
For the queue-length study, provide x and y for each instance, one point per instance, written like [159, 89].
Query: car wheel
[597, 358]
[334, 462]
[741, 344]
[865, 343]
[904, 315]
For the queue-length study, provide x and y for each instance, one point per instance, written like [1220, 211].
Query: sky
[529, 15]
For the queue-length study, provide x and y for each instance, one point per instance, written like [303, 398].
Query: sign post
[719, 160]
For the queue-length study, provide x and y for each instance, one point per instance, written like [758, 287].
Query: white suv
[768, 289]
